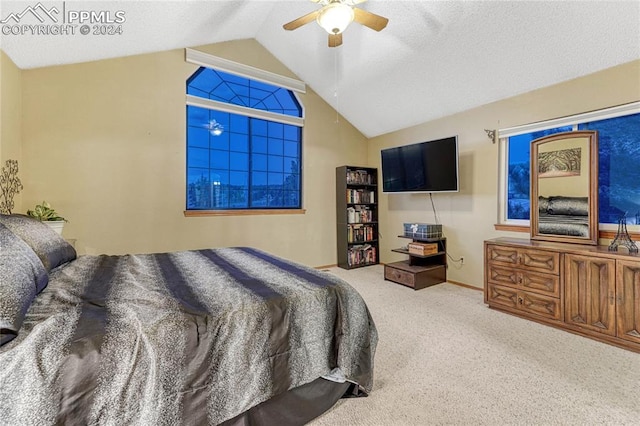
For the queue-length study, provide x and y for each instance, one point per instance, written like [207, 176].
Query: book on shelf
[359, 214]
[360, 177]
[359, 233]
[358, 196]
[361, 255]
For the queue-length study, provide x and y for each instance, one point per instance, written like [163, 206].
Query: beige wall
[567, 186]
[468, 217]
[11, 117]
[104, 143]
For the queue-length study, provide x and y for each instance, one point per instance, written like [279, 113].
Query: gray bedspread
[577, 226]
[193, 337]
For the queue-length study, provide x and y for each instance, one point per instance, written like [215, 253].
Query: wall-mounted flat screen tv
[430, 166]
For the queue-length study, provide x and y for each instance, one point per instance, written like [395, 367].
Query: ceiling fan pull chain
[335, 92]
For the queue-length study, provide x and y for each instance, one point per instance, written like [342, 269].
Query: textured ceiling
[435, 58]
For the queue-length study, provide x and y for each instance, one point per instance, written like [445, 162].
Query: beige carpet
[445, 358]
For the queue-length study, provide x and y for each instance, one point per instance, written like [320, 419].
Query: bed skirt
[297, 406]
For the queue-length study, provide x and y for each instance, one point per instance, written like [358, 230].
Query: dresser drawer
[544, 306]
[530, 259]
[538, 282]
[532, 303]
[501, 295]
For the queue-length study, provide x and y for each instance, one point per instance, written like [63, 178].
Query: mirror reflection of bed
[562, 215]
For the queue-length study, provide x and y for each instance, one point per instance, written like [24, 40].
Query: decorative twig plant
[10, 185]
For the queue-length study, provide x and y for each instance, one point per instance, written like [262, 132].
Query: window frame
[295, 86]
[522, 225]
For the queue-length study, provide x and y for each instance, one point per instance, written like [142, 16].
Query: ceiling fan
[336, 15]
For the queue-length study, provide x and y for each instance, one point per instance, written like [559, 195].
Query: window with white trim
[618, 157]
[244, 139]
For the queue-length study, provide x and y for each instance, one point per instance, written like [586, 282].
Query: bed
[220, 336]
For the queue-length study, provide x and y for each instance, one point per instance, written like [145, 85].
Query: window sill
[512, 228]
[206, 213]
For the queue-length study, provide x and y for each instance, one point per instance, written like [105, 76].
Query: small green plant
[44, 212]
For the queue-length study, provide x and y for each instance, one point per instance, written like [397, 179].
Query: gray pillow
[543, 204]
[50, 247]
[570, 206]
[22, 275]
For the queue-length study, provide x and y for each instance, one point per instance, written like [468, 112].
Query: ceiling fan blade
[335, 40]
[368, 19]
[297, 23]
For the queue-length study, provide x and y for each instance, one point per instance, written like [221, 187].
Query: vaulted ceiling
[435, 58]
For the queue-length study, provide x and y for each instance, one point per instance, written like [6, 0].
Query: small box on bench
[422, 230]
[423, 249]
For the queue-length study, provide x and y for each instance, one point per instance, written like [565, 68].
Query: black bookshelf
[357, 216]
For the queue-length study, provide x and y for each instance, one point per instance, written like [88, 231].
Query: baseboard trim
[326, 266]
[472, 287]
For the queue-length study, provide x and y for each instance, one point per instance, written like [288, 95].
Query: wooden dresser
[584, 289]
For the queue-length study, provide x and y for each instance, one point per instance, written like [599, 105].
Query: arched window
[244, 143]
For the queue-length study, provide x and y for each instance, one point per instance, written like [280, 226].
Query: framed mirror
[564, 187]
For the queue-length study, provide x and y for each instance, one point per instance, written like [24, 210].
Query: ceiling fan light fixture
[214, 127]
[335, 17]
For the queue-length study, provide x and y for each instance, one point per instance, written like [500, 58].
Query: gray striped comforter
[192, 337]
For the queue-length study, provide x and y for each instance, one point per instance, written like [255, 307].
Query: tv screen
[422, 167]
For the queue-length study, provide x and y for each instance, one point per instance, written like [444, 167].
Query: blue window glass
[239, 142]
[276, 130]
[228, 88]
[292, 133]
[239, 124]
[198, 157]
[259, 178]
[276, 163]
[290, 148]
[518, 181]
[259, 144]
[276, 146]
[259, 162]
[236, 161]
[618, 161]
[198, 137]
[291, 165]
[618, 166]
[219, 142]
[259, 127]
